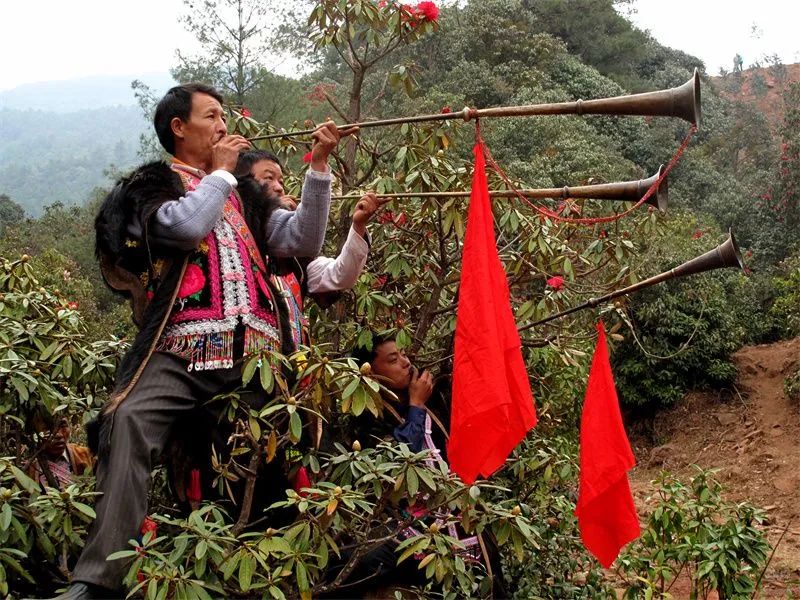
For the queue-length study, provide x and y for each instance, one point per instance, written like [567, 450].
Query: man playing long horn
[173, 237]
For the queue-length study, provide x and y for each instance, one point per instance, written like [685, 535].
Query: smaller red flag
[606, 514]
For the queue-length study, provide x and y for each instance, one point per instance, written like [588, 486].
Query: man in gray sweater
[173, 237]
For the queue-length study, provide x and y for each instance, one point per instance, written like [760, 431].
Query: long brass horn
[624, 191]
[725, 255]
[682, 102]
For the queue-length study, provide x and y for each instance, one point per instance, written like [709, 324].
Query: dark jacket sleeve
[412, 432]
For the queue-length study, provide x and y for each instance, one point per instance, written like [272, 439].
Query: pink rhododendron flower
[556, 282]
[246, 112]
[193, 281]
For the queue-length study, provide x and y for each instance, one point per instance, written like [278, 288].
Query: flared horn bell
[682, 101]
[625, 191]
[725, 255]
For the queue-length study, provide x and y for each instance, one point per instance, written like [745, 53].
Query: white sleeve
[325, 274]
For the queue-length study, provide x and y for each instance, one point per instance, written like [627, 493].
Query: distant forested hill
[71, 95]
[48, 157]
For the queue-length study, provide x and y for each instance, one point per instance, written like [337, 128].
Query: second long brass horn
[725, 255]
[624, 191]
[682, 102]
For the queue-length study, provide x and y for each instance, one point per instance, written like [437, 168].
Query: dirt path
[752, 437]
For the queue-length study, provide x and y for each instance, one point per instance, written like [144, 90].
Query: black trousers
[140, 429]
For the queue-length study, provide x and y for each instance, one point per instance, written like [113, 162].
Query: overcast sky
[49, 40]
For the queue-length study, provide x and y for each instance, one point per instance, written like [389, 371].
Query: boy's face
[55, 444]
[393, 364]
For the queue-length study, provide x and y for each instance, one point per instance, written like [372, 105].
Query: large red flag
[492, 407]
[606, 514]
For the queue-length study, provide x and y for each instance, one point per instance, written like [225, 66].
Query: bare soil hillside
[752, 437]
[762, 87]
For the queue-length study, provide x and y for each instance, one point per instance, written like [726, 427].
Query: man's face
[268, 173]
[205, 127]
[57, 443]
[393, 364]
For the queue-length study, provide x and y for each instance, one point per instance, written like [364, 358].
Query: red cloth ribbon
[194, 492]
[606, 514]
[492, 407]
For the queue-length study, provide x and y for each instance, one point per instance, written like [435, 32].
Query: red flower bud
[307, 157]
[301, 481]
[446, 110]
[246, 112]
[148, 526]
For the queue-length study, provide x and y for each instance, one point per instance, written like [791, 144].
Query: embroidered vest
[288, 287]
[225, 284]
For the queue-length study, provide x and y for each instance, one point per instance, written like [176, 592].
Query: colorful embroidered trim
[238, 293]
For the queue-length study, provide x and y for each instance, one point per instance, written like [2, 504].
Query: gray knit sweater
[185, 222]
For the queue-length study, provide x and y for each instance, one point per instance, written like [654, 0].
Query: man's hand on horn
[366, 207]
[326, 138]
[225, 152]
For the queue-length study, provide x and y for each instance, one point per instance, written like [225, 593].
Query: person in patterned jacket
[172, 236]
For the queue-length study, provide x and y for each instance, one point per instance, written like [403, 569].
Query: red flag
[606, 514]
[492, 406]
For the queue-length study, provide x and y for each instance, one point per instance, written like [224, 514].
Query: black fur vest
[129, 264]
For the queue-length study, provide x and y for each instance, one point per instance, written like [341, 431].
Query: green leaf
[255, 428]
[359, 401]
[122, 554]
[249, 370]
[246, 568]
[267, 377]
[200, 549]
[295, 427]
[5, 517]
[85, 509]
[412, 481]
[302, 576]
[351, 387]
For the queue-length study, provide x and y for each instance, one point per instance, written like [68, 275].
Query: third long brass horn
[682, 102]
[725, 255]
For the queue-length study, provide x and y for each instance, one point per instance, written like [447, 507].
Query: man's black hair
[177, 102]
[363, 355]
[251, 157]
